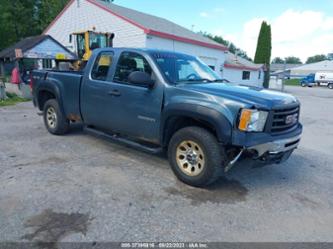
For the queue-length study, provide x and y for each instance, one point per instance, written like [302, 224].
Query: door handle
[115, 93]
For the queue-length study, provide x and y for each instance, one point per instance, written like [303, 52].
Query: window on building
[102, 66]
[47, 63]
[246, 75]
[131, 62]
[259, 74]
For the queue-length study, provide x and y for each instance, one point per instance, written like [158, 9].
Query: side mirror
[141, 78]
[70, 38]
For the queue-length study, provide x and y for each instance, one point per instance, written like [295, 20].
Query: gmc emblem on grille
[292, 119]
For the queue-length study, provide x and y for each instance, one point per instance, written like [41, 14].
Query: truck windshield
[179, 68]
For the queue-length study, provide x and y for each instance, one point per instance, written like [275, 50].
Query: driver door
[137, 108]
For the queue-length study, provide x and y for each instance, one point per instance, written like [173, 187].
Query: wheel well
[44, 96]
[174, 124]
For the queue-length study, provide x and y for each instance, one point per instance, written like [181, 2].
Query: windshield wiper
[220, 81]
[195, 80]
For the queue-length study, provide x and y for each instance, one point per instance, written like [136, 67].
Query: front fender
[215, 118]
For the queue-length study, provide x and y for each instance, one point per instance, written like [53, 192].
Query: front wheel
[330, 85]
[303, 84]
[195, 156]
[55, 122]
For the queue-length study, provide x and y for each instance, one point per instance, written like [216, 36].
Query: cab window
[130, 62]
[102, 65]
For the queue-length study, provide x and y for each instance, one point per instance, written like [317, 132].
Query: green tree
[47, 10]
[232, 48]
[277, 60]
[292, 60]
[316, 58]
[23, 18]
[17, 19]
[264, 50]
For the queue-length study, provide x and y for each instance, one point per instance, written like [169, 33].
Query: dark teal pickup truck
[165, 101]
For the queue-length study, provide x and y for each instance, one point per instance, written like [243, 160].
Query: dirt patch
[51, 227]
[223, 191]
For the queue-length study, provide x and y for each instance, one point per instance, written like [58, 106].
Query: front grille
[285, 119]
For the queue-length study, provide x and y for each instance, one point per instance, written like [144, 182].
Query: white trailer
[325, 79]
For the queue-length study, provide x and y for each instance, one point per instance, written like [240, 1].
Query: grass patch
[292, 82]
[12, 99]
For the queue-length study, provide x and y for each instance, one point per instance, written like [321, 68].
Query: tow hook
[233, 162]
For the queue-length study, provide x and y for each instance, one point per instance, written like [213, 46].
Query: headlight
[252, 120]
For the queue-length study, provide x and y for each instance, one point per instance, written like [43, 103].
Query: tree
[293, 60]
[264, 50]
[16, 20]
[316, 58]
[47, 10]
[232, 48]
[277, 60]
[24, 18]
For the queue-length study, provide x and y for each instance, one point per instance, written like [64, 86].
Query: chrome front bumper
[276, 147]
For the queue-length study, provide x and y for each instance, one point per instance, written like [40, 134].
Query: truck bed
[68, 83]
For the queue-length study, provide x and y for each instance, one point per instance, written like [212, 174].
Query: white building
[139, 30]
[322, 66]
[242, 71]
[133, 29]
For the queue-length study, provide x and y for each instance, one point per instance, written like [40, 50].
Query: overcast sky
[299, 27]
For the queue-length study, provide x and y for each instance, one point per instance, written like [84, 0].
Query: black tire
[214, 154]
[60, 126]
[303, 85]
[330, 85]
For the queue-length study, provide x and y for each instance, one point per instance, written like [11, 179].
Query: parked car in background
[166, 101]
[318, 79]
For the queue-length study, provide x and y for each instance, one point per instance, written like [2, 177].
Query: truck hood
[255, 96]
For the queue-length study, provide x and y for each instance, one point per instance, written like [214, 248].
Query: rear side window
[102, 65]
[131, 62]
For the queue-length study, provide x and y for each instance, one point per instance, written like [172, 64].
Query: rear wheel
[303, 84]
[330, 85]
[55, 122]
[195, 156]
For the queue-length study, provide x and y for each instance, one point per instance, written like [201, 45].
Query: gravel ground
[81, 188]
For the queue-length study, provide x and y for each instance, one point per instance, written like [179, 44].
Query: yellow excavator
[86, 41]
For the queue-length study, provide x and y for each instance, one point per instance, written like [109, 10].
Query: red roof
[240, 67]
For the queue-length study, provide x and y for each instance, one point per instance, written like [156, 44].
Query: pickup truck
[161, 101]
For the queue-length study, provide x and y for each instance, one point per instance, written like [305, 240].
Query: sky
[300, 28]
